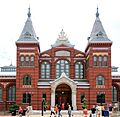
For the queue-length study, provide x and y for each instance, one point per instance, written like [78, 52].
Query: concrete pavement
[64, 114]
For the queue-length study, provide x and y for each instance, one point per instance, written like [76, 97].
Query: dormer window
[27, 34]
[99, 34]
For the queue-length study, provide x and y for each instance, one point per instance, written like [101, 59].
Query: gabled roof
[62, 40]
[98, 33]
[28, 34]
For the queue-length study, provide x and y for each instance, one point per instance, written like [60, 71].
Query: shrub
[13, 108]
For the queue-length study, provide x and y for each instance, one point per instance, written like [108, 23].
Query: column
[52, 97]
[74, 100]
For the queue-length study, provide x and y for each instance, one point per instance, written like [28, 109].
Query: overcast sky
[49, 17]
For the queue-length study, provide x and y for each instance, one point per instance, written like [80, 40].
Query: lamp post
[42, 106]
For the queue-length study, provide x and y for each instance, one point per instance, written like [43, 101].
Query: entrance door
[63, 95]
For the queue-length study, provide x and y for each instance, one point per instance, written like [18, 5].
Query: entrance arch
[63, 95]
[64, 80]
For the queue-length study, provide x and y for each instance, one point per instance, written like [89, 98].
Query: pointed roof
[28, 34]
[62, 40]
[98, 33]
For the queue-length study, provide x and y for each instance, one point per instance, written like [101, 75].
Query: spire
[97, 14]
[62, 40]
[98, 33]
[29, 14]
[28, 34]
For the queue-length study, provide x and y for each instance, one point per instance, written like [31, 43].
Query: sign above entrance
[62, 53]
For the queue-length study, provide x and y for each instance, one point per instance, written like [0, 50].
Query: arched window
[26, 98]
[100, 80]
[62, 66]
[27, 80]
[27, 60]
[21, 60]
[114, 94]
[0, 94]
[100, 60]
[32, 60]
[95, 60]
[45, 70]
[11, 93]
[79, 72]
[105, 60]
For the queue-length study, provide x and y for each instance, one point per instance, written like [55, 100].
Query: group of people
[98, 111]
[27, 111]
[56, 110]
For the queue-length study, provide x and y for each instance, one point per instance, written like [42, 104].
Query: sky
[49, 17]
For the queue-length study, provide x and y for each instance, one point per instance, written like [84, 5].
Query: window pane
[105, 60]
[22, 60]
[26, 80]
[79, 72]
[32, 60]
[100, 60]
[0, 94]
[100, 80]
[11, 93]
[101, 98]
[114, 94]
[45, 70]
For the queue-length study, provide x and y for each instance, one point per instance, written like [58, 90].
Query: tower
[27, 71]
[98, 64]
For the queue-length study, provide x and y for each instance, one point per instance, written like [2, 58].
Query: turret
[98, 64]
[27, 70]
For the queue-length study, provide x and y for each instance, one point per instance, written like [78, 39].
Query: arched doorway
[63, 95]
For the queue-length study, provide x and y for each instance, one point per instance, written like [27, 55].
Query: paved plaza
[47, 114]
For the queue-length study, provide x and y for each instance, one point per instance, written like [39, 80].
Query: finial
[97, 14]
[29, 14]
[62, 35]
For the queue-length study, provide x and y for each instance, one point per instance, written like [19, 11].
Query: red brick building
[61, 74]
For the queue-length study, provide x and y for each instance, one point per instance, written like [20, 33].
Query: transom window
[45, 70]
[11, 93]
[0, 94]
[62, 66]
[100, 80]
[27, 80]
[26, 98]
[79, 70]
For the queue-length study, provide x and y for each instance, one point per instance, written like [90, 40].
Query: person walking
[59, 111]
[56, 109]
[20, 111]
[69, 110]
[93, 111]
[85, 112]
[52, 111]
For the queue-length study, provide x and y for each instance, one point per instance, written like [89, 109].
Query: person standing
[69, 110]
[110, 109]
[63, 106]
